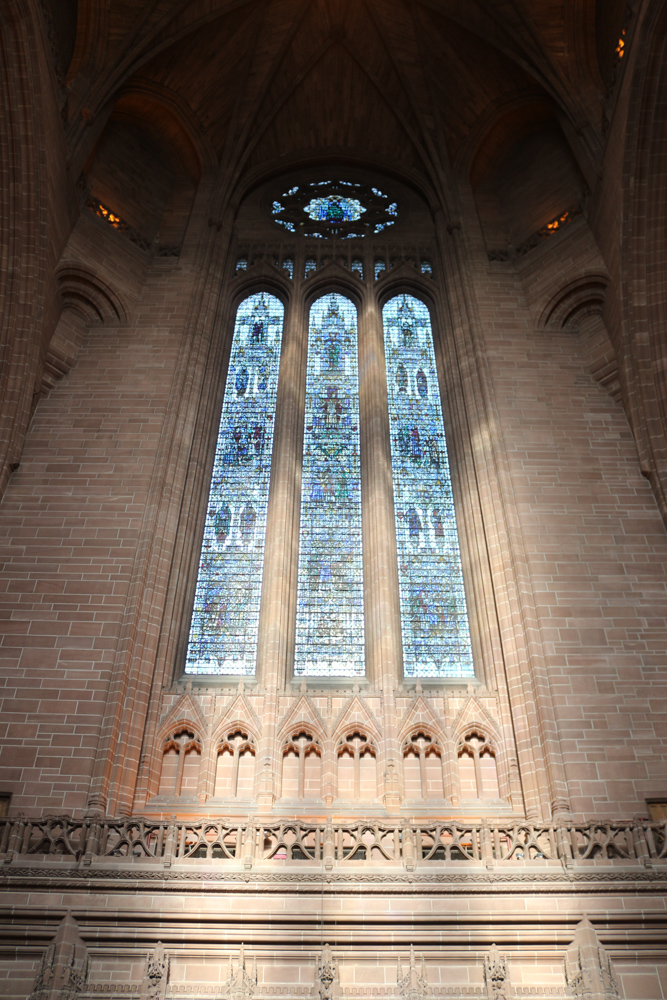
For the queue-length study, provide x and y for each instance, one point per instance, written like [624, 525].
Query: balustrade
[383, 844]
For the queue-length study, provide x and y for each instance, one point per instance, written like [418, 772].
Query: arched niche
[145, 170]
[524, 176]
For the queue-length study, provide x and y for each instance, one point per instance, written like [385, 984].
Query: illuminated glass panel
[434, 619]
[223, 634]
[333, 208]
[330, 607]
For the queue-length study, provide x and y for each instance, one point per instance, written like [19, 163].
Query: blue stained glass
[334, 208]
[434, 619]
[330, 604]
[380, 267]
[223, 633]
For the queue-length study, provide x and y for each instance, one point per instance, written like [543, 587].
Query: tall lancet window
[223, 634]
[330, 615]
[434, 619]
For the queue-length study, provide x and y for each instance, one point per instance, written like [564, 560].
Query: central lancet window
[330, 600]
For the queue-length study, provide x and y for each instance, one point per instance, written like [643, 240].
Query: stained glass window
[333, 208]
[330, 615]
[324, 209]
[434, 620]
[380, 267]
[223, 633]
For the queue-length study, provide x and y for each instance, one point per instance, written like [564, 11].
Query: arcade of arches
[343, 323]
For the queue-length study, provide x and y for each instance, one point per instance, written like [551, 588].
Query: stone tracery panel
[356, 760]
[301, 766]
[181, 757]
[478, 771]
[423, 767]
[235, 765]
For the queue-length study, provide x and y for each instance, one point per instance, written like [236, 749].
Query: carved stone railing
[328, 845]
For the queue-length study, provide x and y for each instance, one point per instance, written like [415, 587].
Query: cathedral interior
[333, 499]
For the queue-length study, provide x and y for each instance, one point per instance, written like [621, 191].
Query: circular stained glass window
[334, 209]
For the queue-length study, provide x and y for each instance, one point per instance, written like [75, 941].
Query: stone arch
[87, 300]
[145, 169]
[180, 748]
[477, 754]
[356, 750]
[301, 754]
[523, 174]
[424, 756]
[579, 306]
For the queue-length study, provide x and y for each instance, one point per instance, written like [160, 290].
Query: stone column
[382, 613]
[384, 650]
[275, 647]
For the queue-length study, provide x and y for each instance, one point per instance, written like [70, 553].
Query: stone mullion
[277, 620]
[384, 651]
[519, 668]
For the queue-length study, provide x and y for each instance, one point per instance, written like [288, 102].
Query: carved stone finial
[64, 969]
[304, 686]
[588, 969]
[154, 986]
[496, 975]
[241, 984]
[327, 975]
[413, 984]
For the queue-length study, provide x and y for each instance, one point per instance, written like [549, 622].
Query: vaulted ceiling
[415, 84]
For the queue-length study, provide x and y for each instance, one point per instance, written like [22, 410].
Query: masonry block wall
[174, 836]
